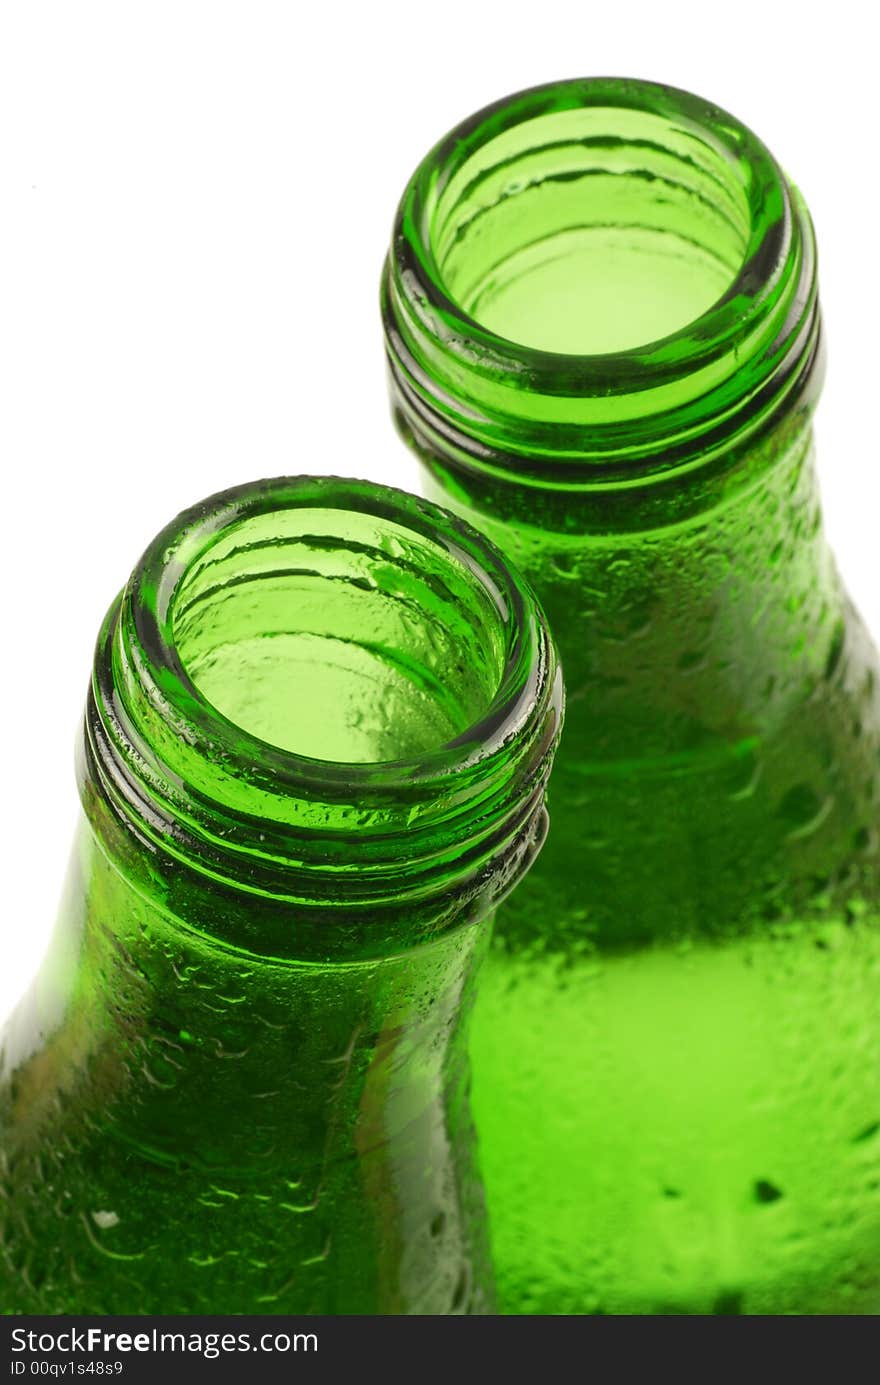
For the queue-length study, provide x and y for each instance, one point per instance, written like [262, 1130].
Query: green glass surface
[604, 342]
[313, 759]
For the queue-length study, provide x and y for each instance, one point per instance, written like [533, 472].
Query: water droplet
[460, 1294]
[802, 810]
[862, 838]
[775, 554]
[565, 566]
[743, 776]
[729, 1303]
[867, 1134]
[838, 638]
[765, 1191]
[105, 1220]
[691, 659]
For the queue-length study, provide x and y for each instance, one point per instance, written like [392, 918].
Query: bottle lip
[219, 798]
[560, 418]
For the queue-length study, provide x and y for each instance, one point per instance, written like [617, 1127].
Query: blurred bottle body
[676, 1043]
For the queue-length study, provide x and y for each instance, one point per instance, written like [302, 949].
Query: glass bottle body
[676, 1049]
[675, 1043]
[192, 1129]
[240, 1081]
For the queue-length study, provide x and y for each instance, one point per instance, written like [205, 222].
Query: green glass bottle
[604, 342]
[313, 759]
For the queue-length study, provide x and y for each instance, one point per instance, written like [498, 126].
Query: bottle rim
[560, 418]
[217, 797]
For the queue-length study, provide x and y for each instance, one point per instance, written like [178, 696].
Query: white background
[195, 200]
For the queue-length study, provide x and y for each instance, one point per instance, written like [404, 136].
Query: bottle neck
[689, 637]
[723, 703]
[170, 1033]
[314, 613]
[603, 336]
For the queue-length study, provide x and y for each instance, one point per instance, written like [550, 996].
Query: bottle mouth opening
[340, 635]
[325, 688]
[592, 229]
[596, 282]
